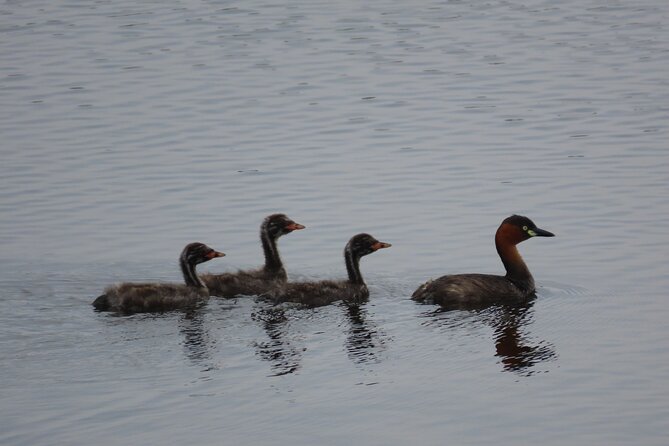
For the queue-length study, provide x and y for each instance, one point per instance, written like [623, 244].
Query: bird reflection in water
[278, 350]
[363, 340]
[516, 350]
[198, 343]
[511, 346]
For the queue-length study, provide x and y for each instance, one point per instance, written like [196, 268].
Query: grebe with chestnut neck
[264, 279]
[465, 290]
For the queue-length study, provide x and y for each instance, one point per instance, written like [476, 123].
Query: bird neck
[353, 267]
[516, 269]
[272, 259]
[190, 276]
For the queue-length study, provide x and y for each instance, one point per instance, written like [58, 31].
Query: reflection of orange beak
[380, 245]
[294, 226]
[213, 254]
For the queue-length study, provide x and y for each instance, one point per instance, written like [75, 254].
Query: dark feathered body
[149, 297]
[471, 290]
[474, 290]
[265, 279]
[155, 297]
[249, 283]
[325, 292]
[315, 294]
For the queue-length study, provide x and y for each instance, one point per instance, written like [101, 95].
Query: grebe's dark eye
[524, 228]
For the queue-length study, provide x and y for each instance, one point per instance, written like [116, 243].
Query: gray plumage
[155, 297]
[264, 279]
[354, 289]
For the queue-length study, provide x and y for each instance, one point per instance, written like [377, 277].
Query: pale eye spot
[524, 228]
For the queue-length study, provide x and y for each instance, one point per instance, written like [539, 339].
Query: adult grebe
[483, 289]
[148, 297]
[258, 281]
[315, 294]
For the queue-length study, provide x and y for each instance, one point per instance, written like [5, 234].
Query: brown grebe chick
[271, 275]
[148, 297]
[463, 290]
[315, 294]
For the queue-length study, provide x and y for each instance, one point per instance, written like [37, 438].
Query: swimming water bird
[464, 290]
[315, 294]
[149, 297]
[256, 282]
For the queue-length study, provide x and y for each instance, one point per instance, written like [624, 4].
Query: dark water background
[132, 128]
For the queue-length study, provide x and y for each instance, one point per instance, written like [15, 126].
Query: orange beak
[213, 254]
[380, 245]
[294, 226]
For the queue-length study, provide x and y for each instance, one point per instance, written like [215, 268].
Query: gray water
[132, 128]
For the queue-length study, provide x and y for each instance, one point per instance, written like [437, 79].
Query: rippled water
[132, 128]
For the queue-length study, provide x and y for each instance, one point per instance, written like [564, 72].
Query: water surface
[130, 129]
